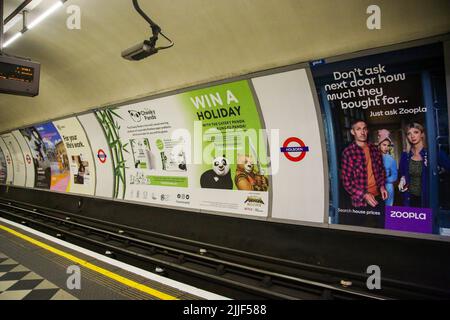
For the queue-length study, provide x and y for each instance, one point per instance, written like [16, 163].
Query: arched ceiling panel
[83, 69]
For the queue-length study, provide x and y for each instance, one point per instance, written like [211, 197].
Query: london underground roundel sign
[294, 149]
[101, 155]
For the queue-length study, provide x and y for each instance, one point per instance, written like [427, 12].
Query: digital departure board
[19, 76]
[16, 72]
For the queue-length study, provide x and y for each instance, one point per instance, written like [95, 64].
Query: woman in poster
[390, 166]
[413, 167]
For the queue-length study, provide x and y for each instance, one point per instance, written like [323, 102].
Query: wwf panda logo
[135, 115]
[219, 177]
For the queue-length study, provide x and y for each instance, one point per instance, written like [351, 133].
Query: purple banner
[409, 219]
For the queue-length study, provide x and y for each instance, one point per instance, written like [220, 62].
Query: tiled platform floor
[19, 283]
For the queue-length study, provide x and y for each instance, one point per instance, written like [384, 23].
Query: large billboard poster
[390, 128]
[17, 159]
[229, 148]
[49, 156]
[79, 156]
[200, 149]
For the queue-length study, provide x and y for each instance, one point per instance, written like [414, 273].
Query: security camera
[140, 51]
[148, 47]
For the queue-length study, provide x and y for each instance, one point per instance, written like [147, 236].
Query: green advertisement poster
[233, 148]
[204, 149]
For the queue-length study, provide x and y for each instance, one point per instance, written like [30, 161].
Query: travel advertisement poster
[49, 156]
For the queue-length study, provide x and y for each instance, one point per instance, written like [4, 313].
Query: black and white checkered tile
[19, 283]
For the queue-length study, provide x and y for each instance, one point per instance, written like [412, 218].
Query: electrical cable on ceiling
[156, 29]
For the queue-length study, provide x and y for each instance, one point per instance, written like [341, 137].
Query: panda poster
[202, 149]
[230, 149]
[79, 156]
[149, 161]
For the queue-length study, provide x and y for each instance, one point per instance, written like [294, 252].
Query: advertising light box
[388, 116]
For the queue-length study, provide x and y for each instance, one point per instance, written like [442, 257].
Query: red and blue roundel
[101, 155]
[299, 148]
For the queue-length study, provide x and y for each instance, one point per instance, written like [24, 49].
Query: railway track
[230, 272]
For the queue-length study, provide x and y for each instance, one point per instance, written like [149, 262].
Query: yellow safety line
[109, 274]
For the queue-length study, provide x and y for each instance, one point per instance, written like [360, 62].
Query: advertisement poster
[3, 168]
[28, 158]
[199, 149]
[17, 159]
[79, 155]
[9, 162]
[139, 137]
[50, 157]
[233, 175]
[386, 136]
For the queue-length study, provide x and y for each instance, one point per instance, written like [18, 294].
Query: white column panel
[18, 161]
[102, 155]
[28, 158]
[9, 164]
[298, 187]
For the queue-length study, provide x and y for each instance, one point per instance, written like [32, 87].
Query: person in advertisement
[390, 165]
[363, 173]
[413, 168]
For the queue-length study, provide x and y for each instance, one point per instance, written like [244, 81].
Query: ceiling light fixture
[12, 39]
[48, 12]
[34, 23]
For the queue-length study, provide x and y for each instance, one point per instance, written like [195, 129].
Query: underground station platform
[34, 266]
[255, 153]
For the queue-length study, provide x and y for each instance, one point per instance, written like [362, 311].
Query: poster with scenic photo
[49, 156]
[390, 127]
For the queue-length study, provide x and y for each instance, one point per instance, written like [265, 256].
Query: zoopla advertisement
[202, 149]
[385, 134]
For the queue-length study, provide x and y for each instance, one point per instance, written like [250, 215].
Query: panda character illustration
[219, 177]
[135, 115]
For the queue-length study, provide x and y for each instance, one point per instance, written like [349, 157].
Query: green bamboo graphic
[111, 127]
[102, 120]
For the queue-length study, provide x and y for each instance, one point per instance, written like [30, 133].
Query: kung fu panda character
[219, 177]
[246, 178]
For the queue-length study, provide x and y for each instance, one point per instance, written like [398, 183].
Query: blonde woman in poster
[414, 166]
[390, 165]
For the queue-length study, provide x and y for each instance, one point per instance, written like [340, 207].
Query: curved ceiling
[82, 69]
